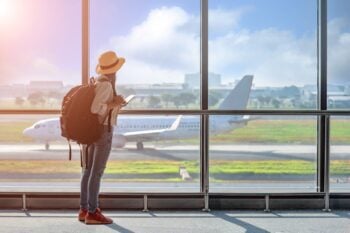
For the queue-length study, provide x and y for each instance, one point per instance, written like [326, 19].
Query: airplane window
[36, 126]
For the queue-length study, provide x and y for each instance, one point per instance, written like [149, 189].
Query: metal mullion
[204, 123]
[85, 41]
[323, 123]
[194, 112]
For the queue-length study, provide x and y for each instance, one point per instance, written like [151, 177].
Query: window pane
[161, 44]
[338, 54]
[274, 41]
[263, 154]
[40, 55]
[340, 154]
[169, 161]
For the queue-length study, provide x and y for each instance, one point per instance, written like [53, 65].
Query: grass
[12, 132]
[269, 167]
[272, 131]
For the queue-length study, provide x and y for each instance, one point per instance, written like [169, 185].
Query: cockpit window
[36, 126]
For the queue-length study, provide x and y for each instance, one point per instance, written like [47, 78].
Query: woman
[106, 104]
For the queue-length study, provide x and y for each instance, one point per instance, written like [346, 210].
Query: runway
[178, 152]
[31, 152]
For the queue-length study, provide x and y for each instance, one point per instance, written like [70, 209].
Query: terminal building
[231, 106]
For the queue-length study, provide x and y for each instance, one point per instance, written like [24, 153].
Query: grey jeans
[97, 157]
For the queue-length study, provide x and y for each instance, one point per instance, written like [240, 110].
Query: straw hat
[109, 63]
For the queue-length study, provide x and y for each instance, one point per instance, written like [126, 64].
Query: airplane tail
[237, 99]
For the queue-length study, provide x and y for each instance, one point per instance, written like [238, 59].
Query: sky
[274, 40]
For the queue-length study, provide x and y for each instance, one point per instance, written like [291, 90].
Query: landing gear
[47, 146]
[139, 145]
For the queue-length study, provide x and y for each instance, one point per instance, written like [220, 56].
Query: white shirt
[104, 96]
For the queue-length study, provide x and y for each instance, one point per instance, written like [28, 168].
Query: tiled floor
[179, 221]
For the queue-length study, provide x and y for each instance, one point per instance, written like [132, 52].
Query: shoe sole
[81, 219]
[94, 222]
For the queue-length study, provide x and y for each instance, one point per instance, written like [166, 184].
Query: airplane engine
[119, 141]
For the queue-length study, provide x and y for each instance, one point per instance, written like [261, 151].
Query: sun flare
[6, 9]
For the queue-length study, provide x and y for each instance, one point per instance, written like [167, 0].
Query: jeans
[97, 157]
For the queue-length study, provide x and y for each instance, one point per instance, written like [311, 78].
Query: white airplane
[140, 129]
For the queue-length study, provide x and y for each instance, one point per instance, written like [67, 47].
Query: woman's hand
[118, 101]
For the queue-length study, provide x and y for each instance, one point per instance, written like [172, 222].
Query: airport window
[274, 42]
[161, 44]
[339, 154]
[338, 54]
[127, 170]
[259, 59]
[256, 156]
[39, 64]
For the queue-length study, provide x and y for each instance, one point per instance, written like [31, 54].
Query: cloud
[339, 51]
[42, 69]
[166, 46]
[276, 58]
[222, 20]
[42, 65]
[167, 42]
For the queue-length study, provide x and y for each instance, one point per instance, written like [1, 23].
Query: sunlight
[6, 9]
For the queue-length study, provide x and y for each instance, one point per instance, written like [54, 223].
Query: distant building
[45, 86]
[142, 90]
[14, 90]
[339, 102]
[192, 81]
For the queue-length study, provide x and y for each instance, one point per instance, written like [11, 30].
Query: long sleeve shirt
[104, 96]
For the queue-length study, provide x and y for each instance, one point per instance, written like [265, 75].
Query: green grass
[276, 131]
[270, 167]
[11, 132]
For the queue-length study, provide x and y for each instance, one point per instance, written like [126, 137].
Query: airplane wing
[151, 134]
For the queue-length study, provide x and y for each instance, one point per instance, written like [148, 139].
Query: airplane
[142, 129]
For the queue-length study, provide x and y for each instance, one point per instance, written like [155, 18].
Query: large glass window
[340, 154]
[262, 154]
[273, 41]
[149, 154]
[40, 55]
[338, 54]
[161, 44]
[262, 55]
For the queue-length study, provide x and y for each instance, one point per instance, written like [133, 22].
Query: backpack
[77, 122]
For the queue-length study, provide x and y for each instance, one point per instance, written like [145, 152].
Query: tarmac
[58, 221]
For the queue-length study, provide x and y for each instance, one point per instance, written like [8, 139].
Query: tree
[184, 99]
[153, 101]
[214, 97]
[55, 95]
[126, 91]
[36, 98]
[276, 103]
[19, 101]
[291, 91]
[212, 100]
[167, 98]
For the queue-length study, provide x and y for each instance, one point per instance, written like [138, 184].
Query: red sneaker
[97, 218]
[82, 214]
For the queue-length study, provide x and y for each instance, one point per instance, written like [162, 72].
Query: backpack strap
[70, 150]
[109, 120]
[109, 115]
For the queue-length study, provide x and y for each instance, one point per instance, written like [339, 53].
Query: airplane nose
[26, 132]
